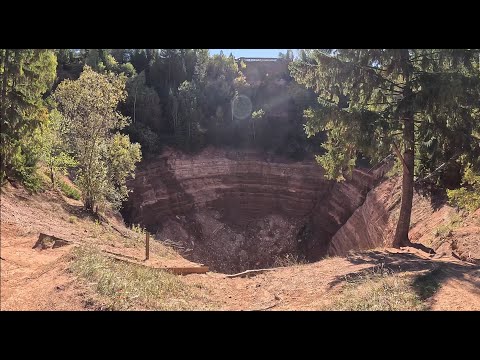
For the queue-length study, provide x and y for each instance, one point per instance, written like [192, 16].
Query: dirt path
[303, 287]
[460, 292]
[314, 286]
[33, 279]
[36, 280]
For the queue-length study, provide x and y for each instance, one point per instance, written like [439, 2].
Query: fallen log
[250, 272]
[184, 270]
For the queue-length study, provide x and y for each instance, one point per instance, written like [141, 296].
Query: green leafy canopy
[105, 158]
[363, 95]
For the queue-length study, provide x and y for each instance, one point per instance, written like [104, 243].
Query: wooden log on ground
[181, 270]
[250, 272]
[187, 270]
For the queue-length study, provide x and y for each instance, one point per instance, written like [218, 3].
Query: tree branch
[395, 148]
[363, 67]
[423, 55]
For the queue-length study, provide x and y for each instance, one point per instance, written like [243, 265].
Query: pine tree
[375, 101]
[25, 76]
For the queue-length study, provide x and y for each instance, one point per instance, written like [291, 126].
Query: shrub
[142, 134]
[69, 191]
[138, 229]
[468, 196]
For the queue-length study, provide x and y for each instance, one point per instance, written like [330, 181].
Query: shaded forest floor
[80, 276]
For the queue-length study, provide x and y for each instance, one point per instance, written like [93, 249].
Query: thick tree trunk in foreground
[403, 225]
[89, 203]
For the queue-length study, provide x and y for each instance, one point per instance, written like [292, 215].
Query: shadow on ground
[429, 275]
[79, 211]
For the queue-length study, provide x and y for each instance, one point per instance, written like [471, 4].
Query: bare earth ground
[40, 280]
[314, 286]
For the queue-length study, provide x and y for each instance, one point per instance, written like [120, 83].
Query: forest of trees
[68, 108]
[183, 98]
[98, 112]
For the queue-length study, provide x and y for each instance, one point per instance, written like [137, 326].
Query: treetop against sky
[249, 52]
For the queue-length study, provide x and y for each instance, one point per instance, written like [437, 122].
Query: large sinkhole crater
[236, 210]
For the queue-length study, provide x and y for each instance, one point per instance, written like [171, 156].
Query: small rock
[276, 297]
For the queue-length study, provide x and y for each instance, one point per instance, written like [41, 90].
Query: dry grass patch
[137, 240]
[124, 286]
[378, 289]
[443, 232]
[288, 260]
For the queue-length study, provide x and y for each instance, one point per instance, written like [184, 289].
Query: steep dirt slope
[39, 280]
[442, 228]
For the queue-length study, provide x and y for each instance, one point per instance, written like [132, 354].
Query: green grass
[124, 286]
[378, 289]
[69, 191]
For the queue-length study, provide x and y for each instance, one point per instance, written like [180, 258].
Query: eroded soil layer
[238, 210]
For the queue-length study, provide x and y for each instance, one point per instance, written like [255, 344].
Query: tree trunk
[89, 203]
[149, 56]
[3, 115]
[52, 177]
[403, 225]
[135, 103]
[4, 85]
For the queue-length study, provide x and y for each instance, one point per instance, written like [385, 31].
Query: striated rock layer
[441, 228]
[235, 210]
